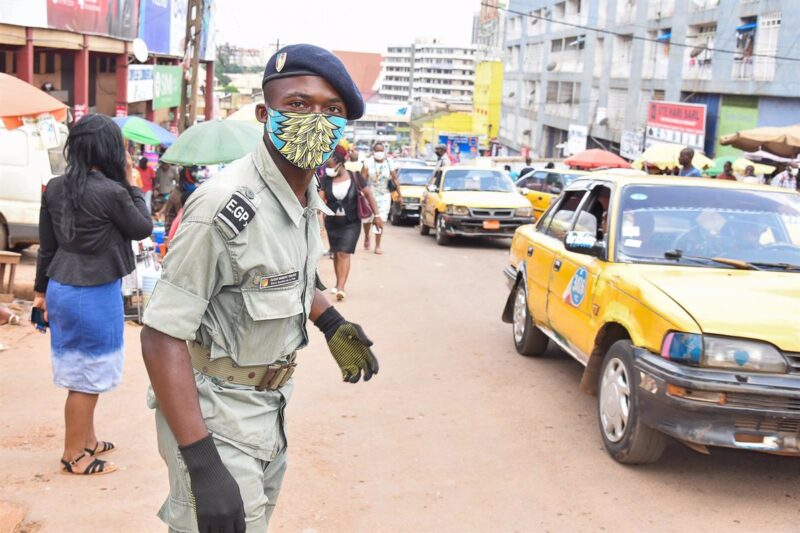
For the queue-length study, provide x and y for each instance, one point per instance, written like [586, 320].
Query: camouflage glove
[349, 346]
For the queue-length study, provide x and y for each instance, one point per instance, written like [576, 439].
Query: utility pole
[191, 59]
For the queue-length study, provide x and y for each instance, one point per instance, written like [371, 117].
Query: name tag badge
[279, 280]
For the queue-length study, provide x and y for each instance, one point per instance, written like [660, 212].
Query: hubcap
[520, 311]
[615, 400]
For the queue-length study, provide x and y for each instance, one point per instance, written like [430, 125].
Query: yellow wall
[456, 122]
[487, 99]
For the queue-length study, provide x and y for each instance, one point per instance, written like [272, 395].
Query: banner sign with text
[101, 17]
[140, 83]
[166, 86]
[677, 123]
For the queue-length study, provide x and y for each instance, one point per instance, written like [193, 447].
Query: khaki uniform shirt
[240, 274]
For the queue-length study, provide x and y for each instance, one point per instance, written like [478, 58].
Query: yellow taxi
[540, 187]
[680, 296]
[472, 202]
[405, 203]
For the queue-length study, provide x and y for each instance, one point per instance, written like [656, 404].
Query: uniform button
[230, 378]
[249, 194]
[235, 365]
[251, 375]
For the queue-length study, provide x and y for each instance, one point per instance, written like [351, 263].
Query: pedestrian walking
[686, 167]
[87, 220]
[227, 317]
[166, 178]
[339, 190]
[379, 172]
[180, 194]
[147, 175]
[442, 159]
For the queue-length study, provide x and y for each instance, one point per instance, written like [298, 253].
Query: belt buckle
[276, 376]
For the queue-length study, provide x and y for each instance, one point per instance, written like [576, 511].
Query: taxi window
[559, 220]
[553, 183]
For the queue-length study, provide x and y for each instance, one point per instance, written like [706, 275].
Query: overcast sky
[358, 25]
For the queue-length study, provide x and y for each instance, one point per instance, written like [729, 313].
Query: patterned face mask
[306, 140]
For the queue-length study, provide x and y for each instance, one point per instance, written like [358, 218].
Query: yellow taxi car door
[542, 252]
[536, 195]
[569, 300]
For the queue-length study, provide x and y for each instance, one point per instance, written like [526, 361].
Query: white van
[25, 169]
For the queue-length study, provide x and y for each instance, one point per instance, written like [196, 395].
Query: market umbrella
[784, 141]
[216, 141]
[21, 99]
[245, 113]
[596, 158]
[665, 156]
[143, 131]
[739, 164]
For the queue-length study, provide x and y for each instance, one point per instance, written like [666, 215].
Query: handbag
[362, 204]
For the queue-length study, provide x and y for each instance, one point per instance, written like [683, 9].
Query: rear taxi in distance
[412, 180]
[540, 187]
[681, 298]
[472, 202]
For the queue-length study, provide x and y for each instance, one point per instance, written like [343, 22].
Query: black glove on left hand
[349, 346]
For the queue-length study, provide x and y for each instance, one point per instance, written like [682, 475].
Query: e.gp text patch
[237, 213]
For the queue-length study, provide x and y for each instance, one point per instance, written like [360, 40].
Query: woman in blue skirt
[87, 221]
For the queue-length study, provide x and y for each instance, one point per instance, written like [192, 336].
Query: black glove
[349, 346]
[215, 494]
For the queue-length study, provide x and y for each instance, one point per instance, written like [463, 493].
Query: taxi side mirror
[523, 190]
[433, 188]
[583, 242]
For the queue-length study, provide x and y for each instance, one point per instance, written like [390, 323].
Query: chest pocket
[268, 324]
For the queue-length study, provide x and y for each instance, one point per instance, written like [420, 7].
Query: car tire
[423, 229]
[528, 339]
[626, 438]
[441, 237]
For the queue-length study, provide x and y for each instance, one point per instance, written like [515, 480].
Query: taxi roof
[655, 179]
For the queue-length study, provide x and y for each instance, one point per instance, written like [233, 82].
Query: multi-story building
[428, 68]
[559, 70]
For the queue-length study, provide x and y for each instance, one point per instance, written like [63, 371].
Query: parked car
[680, 296]
[25, 168]
[412, 184]
[541, 186]
[472, 202]
[401, 162]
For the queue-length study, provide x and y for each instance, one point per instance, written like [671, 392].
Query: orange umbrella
[21, 99]
[596, 158]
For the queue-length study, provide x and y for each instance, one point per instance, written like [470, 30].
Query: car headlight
[459, 210]
[523, 212]
[723, 352]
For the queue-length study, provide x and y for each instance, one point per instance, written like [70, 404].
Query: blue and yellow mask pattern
[306, 140]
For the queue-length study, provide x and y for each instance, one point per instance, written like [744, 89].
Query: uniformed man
[224, 322]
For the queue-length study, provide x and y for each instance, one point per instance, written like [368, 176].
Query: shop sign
[121, 110]
[78, 112]
[630, 144]
[576, 139]
[166, 86]
[676, 123]
[140, 83]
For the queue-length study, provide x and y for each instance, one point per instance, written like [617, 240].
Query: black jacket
[110, 218]
[349, 201]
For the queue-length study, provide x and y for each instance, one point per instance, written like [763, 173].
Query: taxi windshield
[414, 176]
[699, 226]
[477, 180]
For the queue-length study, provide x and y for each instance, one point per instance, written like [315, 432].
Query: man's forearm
[318, 306]
[168, 365]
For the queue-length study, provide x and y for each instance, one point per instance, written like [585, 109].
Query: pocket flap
[271, 305]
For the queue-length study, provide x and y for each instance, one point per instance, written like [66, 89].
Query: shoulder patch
[237, 213]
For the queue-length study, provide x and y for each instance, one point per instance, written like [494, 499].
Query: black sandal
[108, 447]
[96, 467]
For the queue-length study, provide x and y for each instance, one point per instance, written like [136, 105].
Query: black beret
[310, 60]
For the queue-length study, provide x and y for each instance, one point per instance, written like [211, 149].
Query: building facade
[560, 71]
[428, 69]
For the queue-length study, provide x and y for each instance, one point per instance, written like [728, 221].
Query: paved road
[457, 433]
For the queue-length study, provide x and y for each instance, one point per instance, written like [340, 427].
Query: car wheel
[528, 339]
[394, 216]
[423, 229]
[627, 440]
[441, 237]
